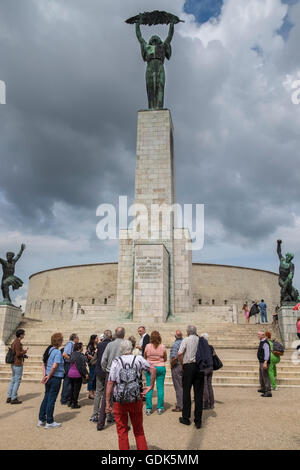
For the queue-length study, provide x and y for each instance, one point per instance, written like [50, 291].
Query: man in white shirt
[145, 339]
[191, 377]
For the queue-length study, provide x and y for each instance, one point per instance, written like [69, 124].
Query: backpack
[46, 355]
[128, 390]
[10, 356]
[278, 349]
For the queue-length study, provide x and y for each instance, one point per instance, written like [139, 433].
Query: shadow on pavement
[198, 434]
[14, 410]
[30, 396]
[63, 417]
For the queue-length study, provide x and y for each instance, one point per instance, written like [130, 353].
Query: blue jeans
[264, 317]
[47, 407]
[91, 383]
[17, 372]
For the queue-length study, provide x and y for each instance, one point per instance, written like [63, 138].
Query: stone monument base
[10, 317]
[287, 318]
[151, 283]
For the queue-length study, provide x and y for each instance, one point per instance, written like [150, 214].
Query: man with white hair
[191, 377]
[111, 352]
[125, 383]
[100, 375]
[264, 357]
[176, 371]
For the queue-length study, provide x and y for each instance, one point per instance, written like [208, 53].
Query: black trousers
[75, 389]
[192, 377]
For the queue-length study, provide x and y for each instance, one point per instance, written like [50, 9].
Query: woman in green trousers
[156, 354]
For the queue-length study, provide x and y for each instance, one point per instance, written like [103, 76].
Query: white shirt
[141, 344]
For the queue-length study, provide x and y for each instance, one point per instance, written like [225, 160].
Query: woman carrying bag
[91, 357]
[77, 374]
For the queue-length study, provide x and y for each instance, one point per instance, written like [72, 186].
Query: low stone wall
[10, 318]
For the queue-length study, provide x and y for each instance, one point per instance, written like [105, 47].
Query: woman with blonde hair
[156, 355]
[53, 373]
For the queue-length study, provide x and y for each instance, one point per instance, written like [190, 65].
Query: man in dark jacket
[100, 374]
[145, 339]
[263, 356]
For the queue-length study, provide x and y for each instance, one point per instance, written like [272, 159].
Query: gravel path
[241, 420]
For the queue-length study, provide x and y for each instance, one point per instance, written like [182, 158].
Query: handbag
[85, 380]
[217, 363]
[93, 361]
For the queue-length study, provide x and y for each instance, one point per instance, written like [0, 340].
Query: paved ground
[241, 420]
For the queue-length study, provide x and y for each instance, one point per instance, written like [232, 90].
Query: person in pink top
[246, 312]
[156, 354]
[298, 331]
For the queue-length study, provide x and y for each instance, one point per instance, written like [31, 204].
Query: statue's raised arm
[20, 252]
[171, 34]
[279, 249]
[138, 32]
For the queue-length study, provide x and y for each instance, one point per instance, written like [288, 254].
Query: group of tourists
[258, 310]
[121, 373]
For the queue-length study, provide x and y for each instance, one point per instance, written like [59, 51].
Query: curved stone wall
[53, 293]
[228, 285]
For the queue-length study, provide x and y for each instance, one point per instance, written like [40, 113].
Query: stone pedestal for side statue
[10, 318]
[155, 185]
[287, 318]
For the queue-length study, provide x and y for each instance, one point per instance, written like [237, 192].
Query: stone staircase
[235, 344]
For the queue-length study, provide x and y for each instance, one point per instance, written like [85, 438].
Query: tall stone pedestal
[151, 283]
[287, 318]
[10, 318]
[155, 185]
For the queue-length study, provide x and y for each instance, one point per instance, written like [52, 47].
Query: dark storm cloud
[75, 79]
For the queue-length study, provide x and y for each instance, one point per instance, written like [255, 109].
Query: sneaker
[52, 425]
[160, 411]
[41, 423]
[266, 395]
[148, 412]
[94, 419]
[275, 389]
[8, 400]
[15, 402]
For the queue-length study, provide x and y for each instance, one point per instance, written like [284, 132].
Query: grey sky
[75, 80]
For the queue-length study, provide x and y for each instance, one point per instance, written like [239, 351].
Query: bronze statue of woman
[154, 53]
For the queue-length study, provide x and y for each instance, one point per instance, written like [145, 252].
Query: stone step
[223, 382]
